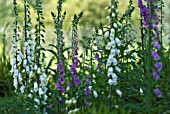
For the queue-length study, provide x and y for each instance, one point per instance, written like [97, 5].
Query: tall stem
[148, 60]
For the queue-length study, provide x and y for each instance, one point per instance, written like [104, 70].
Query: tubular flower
[151, 20]
[17, 56]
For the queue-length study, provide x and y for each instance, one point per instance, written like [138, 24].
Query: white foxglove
[25, 44]
[114, 82]
[45, 97]
[115, 25]
[30, 95]
[95, 93]
[15, 83]
[114, 76]
[20, 53]
[40, 91]
[35, 67]
[27, 69]
[35, 86]
[106, 34]
[117, 51]
[110, 71]
[112, 36]
[110, 82]
[38, 71]
[141, 91]
[25, 63]
[113, 44]
[116, 106]
[117, 69]
[28, 52]
[13, 61]
[19, 59]
[109, 45]
[119, 24]
[118, 42]
[37, 100]
[31, 74]
[29, 59]
[22, 89]
[113, 52]
[74, 101]
[109, 62]
[19, 77]
[16, 72]
[112, 31]
[119, 92]
[114, 61]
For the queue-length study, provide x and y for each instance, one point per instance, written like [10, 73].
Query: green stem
[148, 62]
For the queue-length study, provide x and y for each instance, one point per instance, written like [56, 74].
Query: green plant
[5, 76]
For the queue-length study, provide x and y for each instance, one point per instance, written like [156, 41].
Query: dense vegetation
[56, 66]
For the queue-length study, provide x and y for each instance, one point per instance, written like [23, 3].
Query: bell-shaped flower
[30, 95]
[158, 66]
[25, 63]
[22, 89]
[109, 45]
[31, 74]
[29, 59]
[113, 44]
[38, 71]
[27, 69]
[110, 82]
[20, 53]
[155, 55]
[37, 100]
[16, 72]
[19, 77]
[115, 25]
[45, 97]
[118, 42]
[35, 86]
[112, 31]
[114, 76]
[114, 82]
[19, 59]
[35, 67]
[15, 83]
[119, 24]
[117, 51]
[117, 69]
[25, 44]
[106, 34]
[119, 92]
[13, 61]
[113, 52]
[95, 94]
[110, 71]
[114, 61]
[28, 52]
[109, 62]
[40, 91]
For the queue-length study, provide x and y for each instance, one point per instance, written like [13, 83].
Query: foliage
[6, 79]
[118, 70]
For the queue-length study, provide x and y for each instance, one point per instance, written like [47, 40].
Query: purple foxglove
[158, 66]
[156, 75]
[155, 55]
[157, 92]
[157, 45]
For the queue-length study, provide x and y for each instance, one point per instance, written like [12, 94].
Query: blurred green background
[94, 14]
